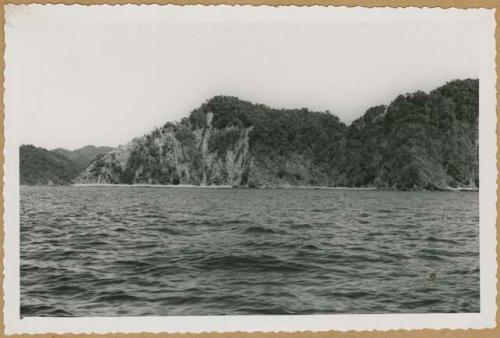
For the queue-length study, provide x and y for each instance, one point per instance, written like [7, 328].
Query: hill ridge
[418, 141]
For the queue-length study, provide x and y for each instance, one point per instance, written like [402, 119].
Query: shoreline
[219, 186]
[298, 187]
[151, 185]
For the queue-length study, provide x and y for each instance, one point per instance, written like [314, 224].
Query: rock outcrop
[177, 154]
[419, 141]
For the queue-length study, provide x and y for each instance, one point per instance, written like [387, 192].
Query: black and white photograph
[239, 168]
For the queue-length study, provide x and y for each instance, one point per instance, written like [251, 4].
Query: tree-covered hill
[39, 166]
[83, 156]
[419, 141]
[288, 146]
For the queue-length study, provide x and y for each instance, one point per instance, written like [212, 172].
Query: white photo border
[343, 322]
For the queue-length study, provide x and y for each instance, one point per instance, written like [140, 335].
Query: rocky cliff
[419, 141]
[177, 154]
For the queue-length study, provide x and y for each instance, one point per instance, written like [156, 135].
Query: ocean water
[139, 251]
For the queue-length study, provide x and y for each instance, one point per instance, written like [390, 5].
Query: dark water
[136, 251]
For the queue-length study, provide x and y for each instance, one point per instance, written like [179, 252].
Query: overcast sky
[102, 75]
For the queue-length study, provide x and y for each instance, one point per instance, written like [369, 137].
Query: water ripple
[149, 251]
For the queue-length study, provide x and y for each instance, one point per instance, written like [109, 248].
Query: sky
[102, 75]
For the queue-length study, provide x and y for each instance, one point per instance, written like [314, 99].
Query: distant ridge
[83, 156]
[39, 166]
[419, 141]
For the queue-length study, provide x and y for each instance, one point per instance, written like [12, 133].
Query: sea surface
[140, 251]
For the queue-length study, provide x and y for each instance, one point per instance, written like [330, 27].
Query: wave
[246, 254]
[255, 229]
[117, 296]
[66, 289]
[170, 231]
[422, 303]
[262, 263]
[299, 226]
[310, 247]
[442, 240]
[49, 311]
[132, 264]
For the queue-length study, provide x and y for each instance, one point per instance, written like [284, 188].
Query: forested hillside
[39, 166]
[419, 141]
[83, 156]
[422, 141]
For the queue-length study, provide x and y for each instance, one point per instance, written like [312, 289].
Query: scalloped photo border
[483, 324]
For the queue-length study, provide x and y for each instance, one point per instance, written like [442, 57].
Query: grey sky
[103, 75]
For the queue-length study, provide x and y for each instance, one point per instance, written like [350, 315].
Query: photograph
[248, 165]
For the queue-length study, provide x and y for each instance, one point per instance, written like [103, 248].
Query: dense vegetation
[39, 166]
[83, 156]
[293, 145]
[419, 141]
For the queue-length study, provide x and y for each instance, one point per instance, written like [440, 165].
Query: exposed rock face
[107, 168]
[176, 154]
[419, 141]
